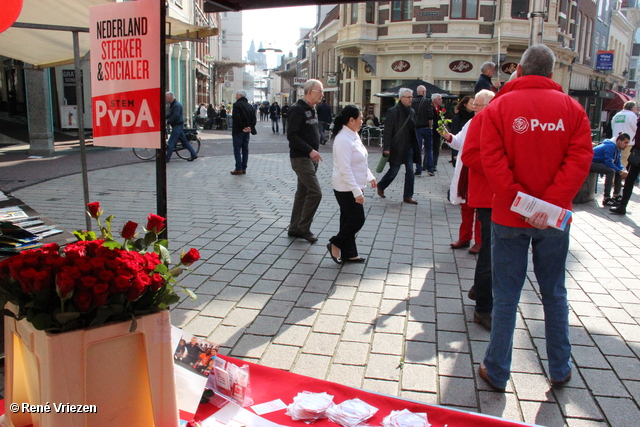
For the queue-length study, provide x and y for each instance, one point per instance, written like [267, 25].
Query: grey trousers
[308, 194]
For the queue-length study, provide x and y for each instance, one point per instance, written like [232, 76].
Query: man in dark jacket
[487, 70]
[324, 120]
[284, 111]
[244, 125]
[424, 122]
[401, 144]
[304, 140]
[175, 119]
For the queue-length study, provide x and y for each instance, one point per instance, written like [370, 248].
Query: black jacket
[398, 136]
[302, 129]
[243, 116]
[459, 120]
[424, 111]
[175, 115]
[274, 112]
[284, 110]
[324, 112]
[484, 82]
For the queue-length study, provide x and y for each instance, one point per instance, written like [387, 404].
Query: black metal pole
[161, 164]
[80, 118]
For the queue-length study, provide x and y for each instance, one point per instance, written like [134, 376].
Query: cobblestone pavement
[400, 324]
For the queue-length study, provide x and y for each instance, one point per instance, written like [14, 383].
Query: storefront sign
[299, 81]
[509, 67]
[69, 86]
[400, 66]
[604, 60]
[125, 74]
[332, 81]
[69, 116]
[460, 66]
[367, 68]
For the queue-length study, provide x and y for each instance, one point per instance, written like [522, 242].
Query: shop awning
[617, 102]
[237, 5]
[413, 85]
[44, 48]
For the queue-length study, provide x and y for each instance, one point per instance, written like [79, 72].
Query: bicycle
[181, 149]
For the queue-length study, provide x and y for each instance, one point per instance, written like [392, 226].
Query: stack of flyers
[350, 413]
[309, 406]
[230, 382]
[15, 239]
[405, 418]
[12, 212]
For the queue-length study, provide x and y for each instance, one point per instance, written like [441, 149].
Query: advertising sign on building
[604, 60]
[69, 86]
[332, 81]
[125, 74]
[299, 81]
[460, 66]
[509, 67]
[400, 66]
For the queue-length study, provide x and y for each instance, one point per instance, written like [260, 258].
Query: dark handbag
[634, 158]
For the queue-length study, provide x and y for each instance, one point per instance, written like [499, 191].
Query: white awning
[46, 48]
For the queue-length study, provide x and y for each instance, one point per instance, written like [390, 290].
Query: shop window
[402, 10]
[464, 9]
[370, 12]
[519, 9]
[354, 13]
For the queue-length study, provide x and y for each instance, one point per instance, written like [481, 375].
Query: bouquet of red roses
[94, 280]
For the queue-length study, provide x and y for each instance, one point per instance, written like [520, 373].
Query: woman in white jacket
[350, 176]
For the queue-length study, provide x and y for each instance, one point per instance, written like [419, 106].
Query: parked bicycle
[181, 150]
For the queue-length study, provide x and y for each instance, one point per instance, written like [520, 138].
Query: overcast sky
[280, 27]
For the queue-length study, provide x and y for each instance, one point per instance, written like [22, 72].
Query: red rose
[138, 286]
[51, 248]
[129, 230]
[157, 282]
[87, 283]
[42, 280]
[190, 257]
[155, 223]
[121, 284]
[26, 278]
[94, 209]
[100, 294]
[64, 285]
[83, 301]
[106, 276]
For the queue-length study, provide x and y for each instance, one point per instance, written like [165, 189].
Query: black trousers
[437, 142]
[482, 282]
[351, 221]
[629, 181]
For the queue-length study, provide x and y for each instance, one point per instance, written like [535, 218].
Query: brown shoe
[244, 172]
[482, 371]
[483, 319]
[557, 383]
[475, 249]
[461, 244]
[472, 293]
[410, 201]
[381, 193]
[236, 172]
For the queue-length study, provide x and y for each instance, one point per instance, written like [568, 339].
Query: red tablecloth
[268, 384]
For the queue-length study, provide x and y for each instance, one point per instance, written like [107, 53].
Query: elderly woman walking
[350, 176]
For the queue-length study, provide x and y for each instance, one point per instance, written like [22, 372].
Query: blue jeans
[425, 139]
[241, 150]
[274, 126]
[509, 253]
[177, 133]
[391, 174]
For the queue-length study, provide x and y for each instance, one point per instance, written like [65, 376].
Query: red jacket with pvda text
[479, 193]
[534, 139]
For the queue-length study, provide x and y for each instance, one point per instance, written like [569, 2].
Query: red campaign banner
[126, 113]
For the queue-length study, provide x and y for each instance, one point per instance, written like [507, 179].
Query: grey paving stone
[352, 353]
[418, 352]
[390, 388]
[321, 344]
[277, 308]
[312, 365]
[226, 336]
[503, 405]
[252, 346]
[577, 403]
[455, 365]
[202, 326]
[292, 335]
[452, 341]
[390, 324]
[613, 346]
[420, 397]
[383, 367]
[388, 343]
[329, 324]
[342, 292]
[542, 413]
[628, 332]
[532, 387]
[358, 332]
[421, 378]
[266, 325]
[349, 375]
[180, 317]
[393, 307]
[302, 316]
[619, 412]
[627, 368]
[457, 392]
[586, 357]
[603, 383]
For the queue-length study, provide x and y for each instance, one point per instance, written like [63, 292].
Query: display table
[268, 384]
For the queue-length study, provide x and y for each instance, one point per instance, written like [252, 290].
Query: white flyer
[265, 408]
[527, 205]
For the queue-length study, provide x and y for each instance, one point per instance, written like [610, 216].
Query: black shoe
[617, 198]
[472, 294]
[191, 159]
[609, 201]
[483, 319]
[358, 260]
[431, 174]
[309, 237]
[620, 210]
[417, 173]
[294, 233]
[335, 259]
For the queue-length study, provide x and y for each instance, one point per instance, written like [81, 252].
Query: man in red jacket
[545, 152]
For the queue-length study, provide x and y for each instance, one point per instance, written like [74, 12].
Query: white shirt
[350, 168]
[457, 142]
[203, 112]
[625, 121]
